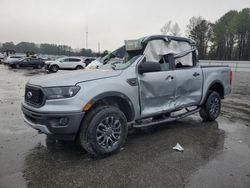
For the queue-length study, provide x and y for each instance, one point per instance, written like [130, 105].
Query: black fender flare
[115, 94]
[210, 85]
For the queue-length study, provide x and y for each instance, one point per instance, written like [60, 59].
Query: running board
[168, 119]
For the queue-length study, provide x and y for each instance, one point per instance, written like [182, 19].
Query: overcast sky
[109, 22]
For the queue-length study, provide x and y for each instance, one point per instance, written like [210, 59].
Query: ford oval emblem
[29, 95]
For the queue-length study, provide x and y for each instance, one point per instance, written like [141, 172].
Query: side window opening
[184, 60]
[164, 64]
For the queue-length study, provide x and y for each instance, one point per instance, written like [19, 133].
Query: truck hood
[72, 78]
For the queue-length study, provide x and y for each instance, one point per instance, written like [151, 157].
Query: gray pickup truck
[152, 80]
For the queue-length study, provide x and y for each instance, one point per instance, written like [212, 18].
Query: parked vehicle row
[16, 61]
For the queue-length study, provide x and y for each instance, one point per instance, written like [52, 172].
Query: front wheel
[212, 107]
[103, 131]
[79, 67]
[54, 68]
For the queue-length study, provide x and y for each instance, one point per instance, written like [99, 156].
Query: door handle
[196, 74]
[169, 77]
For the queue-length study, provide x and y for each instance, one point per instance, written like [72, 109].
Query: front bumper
[63, 126]
[47, 66]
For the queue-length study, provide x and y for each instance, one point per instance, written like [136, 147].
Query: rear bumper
[62, 126]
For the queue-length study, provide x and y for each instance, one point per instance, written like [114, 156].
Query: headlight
[61, 92]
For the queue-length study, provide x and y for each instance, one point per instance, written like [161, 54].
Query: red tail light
[231, 76]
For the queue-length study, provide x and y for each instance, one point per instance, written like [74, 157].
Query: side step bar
[165, 120]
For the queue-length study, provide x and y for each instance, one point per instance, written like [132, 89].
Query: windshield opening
[119, 59]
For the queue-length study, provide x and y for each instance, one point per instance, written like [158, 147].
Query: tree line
[49, 49]
[226, 39]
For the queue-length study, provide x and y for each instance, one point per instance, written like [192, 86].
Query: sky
[109, 22]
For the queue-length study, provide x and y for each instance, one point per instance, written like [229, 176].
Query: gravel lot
[215, 154]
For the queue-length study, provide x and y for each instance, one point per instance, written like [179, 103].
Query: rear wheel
[212, 107]
[103, 131]
[54, 68]
[39, 66]
[17, 66]
[79, 67]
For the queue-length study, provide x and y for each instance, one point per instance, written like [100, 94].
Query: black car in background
[28, 62]
[88, 60]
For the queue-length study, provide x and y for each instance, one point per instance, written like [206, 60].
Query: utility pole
[99, 47]
[87, 37]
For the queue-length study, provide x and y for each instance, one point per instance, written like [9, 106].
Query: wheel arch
[79, 66]
[217, 86]
[117, 99]
[54, 64]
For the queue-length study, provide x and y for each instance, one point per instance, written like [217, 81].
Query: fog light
[63, 121]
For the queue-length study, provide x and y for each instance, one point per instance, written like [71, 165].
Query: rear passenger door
[64, 63]
[189, 81]
[73, 62]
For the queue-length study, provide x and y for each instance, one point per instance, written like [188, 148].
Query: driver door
[157, 90]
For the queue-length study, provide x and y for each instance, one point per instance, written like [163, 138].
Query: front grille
[34, 96]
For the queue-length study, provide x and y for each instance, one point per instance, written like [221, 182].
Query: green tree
[200, 30]
[8, 46]
[224, 37]
[171, 29]
[243, 34]
[24, 47]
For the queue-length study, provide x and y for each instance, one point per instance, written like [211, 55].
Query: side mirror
[149, 67]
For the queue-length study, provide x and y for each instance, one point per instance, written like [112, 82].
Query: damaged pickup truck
[155, 79]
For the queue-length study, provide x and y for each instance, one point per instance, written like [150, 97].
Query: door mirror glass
[149, 67]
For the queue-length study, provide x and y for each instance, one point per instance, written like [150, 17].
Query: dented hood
[72, 78]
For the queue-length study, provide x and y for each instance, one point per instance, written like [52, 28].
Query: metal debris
[178, 147]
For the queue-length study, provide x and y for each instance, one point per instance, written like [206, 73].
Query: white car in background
[102, 61]
[95, 64]
[12, 58]
[65, 63]
[1, 56]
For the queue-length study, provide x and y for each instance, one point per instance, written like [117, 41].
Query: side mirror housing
[149, 67]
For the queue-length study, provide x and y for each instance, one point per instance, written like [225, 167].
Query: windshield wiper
[113, 65]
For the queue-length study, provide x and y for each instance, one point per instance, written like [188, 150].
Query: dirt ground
[215, 154]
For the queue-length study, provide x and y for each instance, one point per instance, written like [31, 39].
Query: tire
[212, 107]
[78, 67]
[39, 66]
[97, 131]
[54, 68]
[17, 66]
